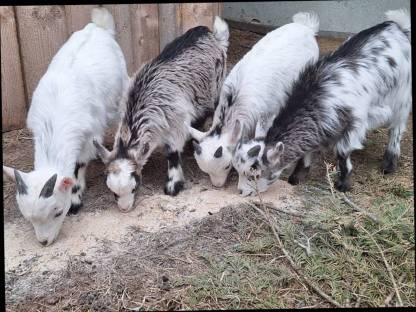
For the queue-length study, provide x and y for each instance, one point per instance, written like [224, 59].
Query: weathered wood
[196, 14]
[169, 23]
[145, 30]
[124, 37]
[41, 32]
[12, 89]
[77, 16]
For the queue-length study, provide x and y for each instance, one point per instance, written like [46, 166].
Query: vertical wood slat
[145, 32]
[41, 31]
[195, 14]
[77, 16]
[169, 23]
[124, 37]
[13, 94]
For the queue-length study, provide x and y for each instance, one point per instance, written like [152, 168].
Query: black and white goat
[257, 85]
[74, 102]
[177, 88]
[363, 85]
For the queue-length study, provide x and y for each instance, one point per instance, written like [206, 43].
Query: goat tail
[102, 18]
[308, 19]
[400, 17]
[221, 31]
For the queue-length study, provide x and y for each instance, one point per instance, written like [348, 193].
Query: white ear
[274, 154]
[9, 172]
[196, 134]
[102, 152]
[237, 131]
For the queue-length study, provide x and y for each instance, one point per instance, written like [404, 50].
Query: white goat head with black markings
[253, 164]
[43, 199]
[213, 151]
[123, 171]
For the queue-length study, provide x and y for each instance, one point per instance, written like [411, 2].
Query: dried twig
[388, 267]
[391, 295]
[331, 184]
[359, 209]
[273, 207]
[291, 262]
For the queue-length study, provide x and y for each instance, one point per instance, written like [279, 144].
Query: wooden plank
[41, 32]
[77, 16]
[169, 23]
[124, 37]
[196, 14]
[12, 89]
[145, 32]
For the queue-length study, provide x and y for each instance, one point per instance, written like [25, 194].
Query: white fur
[221, 31]
[74, 102]
[258, 83]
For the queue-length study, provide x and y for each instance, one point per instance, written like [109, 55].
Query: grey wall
[335, 16]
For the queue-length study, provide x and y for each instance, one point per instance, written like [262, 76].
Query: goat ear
[48, 188]
[18, 177]
[9, 173]
[102, 152]
[254, 151]
[197, 147]
[196, 134]
[274, 154]
[145, 148]
[66, 184]
[218, 152]
[236, 134]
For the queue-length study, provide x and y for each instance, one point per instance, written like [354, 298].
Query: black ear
[197, 147]
[20, 184]
[47, 189]
[254, 151]
[218, 152]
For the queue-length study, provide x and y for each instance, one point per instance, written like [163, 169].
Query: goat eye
[133, 190]
[58, 214]
[228, 167]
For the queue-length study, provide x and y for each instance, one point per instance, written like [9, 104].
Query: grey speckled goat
[176, 89]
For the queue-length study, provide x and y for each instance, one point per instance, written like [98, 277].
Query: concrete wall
[335, 16]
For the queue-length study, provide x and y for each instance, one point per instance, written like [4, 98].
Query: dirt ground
[105, 260]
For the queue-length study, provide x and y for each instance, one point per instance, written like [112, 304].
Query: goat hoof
[343, 186]
[389, 164]
[173, 189]
[294, 180]
[388, 167]
[73, 210]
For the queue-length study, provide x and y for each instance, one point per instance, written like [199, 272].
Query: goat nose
[240, 191]
[44, 242]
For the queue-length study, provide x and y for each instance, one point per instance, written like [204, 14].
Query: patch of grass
[400, 191]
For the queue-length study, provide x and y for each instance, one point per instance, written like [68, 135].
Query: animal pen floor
[209, 248]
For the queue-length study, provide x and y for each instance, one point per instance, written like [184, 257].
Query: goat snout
[44, 242]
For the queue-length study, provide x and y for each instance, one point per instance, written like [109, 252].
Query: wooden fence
[31, 35]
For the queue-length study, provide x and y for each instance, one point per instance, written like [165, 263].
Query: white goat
[365, 84]
[73, 103]
[257, 85]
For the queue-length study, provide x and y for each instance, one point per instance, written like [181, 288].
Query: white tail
[308, 19]
[402, 18]
[221, 32]
[103, 18]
